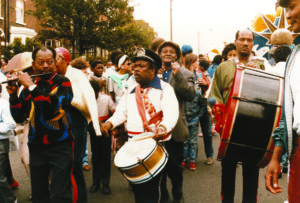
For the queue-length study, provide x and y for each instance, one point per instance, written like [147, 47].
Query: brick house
[16, 21]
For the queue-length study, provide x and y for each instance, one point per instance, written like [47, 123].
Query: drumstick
[147, 137]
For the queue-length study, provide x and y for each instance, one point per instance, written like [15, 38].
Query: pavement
[200, 186]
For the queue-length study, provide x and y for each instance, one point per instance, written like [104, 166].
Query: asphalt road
[200, 186]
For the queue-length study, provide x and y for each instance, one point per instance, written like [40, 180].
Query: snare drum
[253, 111]
[141, 160]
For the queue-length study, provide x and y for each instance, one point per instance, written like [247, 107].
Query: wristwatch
[32, 87]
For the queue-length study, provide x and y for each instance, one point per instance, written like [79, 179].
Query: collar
[297, 40]
[237, 60]
[155, 83]
[39, 79]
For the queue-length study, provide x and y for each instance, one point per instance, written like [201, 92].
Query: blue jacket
[194, 109]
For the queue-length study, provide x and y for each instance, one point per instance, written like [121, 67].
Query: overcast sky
[215, 21]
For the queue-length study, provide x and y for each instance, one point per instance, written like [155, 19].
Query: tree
[82, 24]
[132, 36]
[17, 47]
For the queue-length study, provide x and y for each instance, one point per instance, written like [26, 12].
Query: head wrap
[122, 60]
[63, 52]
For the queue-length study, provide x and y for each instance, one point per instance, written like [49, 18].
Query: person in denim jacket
[193, 110]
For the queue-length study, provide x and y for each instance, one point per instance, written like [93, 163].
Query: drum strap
[143, 100]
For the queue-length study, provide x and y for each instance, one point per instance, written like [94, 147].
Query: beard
[244, 54]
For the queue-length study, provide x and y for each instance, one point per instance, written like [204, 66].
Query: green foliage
[82, 23]
[17, 47]
[133, 36]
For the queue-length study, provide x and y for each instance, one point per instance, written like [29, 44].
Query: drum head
[129, 154]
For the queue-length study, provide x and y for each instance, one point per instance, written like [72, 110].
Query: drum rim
[136, 163]
[148, 176]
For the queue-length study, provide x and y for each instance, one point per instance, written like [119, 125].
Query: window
[20, 11]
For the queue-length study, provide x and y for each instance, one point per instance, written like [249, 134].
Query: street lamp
[171, 29]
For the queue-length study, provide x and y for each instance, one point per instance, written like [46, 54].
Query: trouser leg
[250, 182]
[6, 194]
[228, 181]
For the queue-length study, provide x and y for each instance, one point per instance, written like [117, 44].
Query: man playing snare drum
[220, 90]
[150, 100]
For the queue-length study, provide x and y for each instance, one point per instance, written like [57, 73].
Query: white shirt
[7, 123]
[295, 87]
[278, 69]
[162, 99]
[83, 96]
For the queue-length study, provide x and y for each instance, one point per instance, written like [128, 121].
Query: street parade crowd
[147, 112]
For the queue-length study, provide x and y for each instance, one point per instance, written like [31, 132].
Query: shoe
[165, 198]
[284, 169]
[213, 131]
[209, 161]
[94, 188]
[106, 189]
[86, 168]
[192, 166]
[200, 135]
[14, 185]
[179, 200]
[184, 164]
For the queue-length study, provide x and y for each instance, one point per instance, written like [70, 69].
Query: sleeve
[120, 116]
[170, 108]
[21, 107]
[280, 137]
[185, 84]
[8, 122]
[216, 89]
[88, 96]
[111, 106]
[110, 85]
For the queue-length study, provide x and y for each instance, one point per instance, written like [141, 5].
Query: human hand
[161, 71]
[25, 80]
[202, 82]
[271, 177]
[159, 132]
[252, 65]
[175, 67]
[102, 82]
[12, 88]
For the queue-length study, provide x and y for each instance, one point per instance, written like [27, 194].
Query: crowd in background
[110, 80]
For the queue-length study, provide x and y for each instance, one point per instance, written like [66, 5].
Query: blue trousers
[191, 145]
[205, 123]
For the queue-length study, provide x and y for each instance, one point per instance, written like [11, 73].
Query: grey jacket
[184, 86]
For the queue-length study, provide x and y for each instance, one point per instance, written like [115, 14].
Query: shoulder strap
[140, 106]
